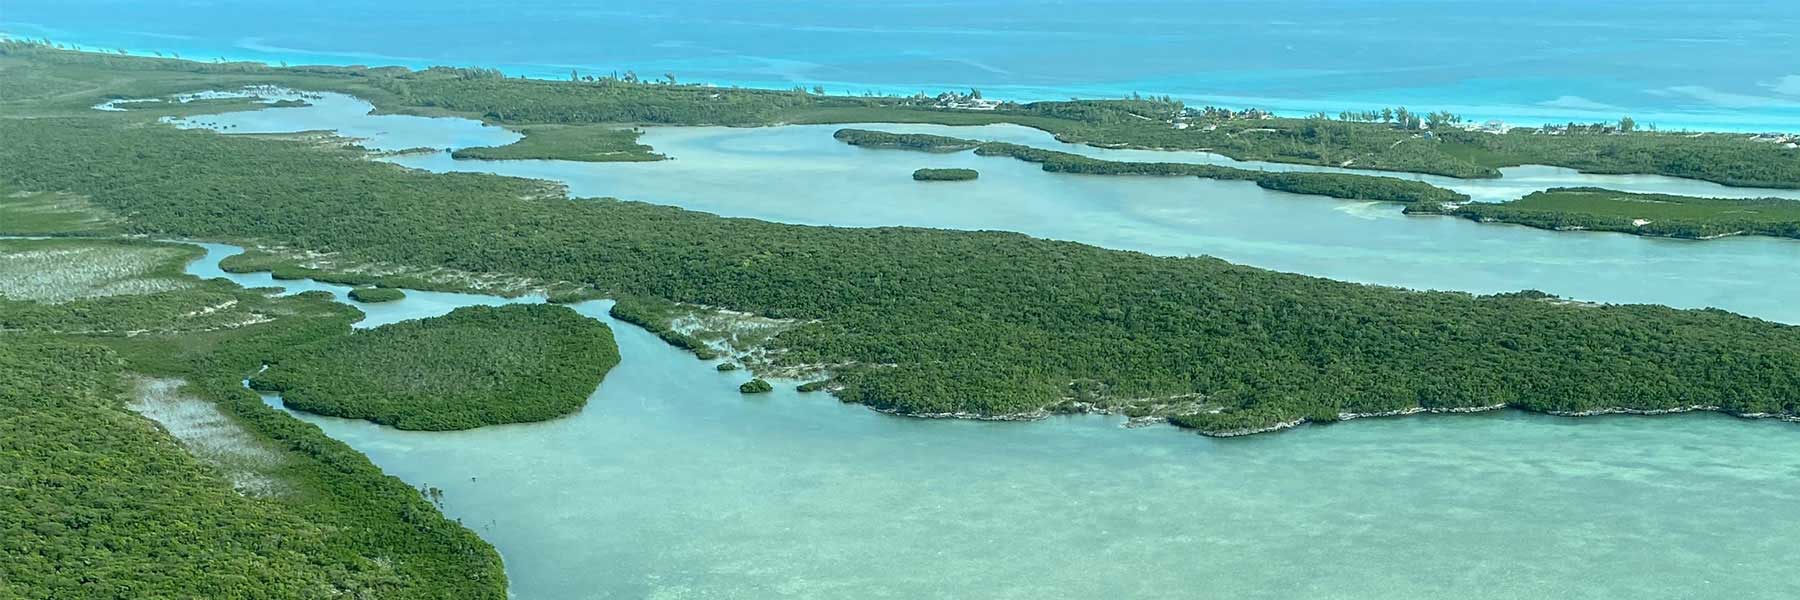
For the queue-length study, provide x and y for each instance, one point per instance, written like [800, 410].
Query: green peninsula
[1660, 215]
[587, 143]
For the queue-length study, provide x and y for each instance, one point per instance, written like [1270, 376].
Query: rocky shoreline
[1420, 409]
[1227, 433]
[1036, 415]
[1136, 422]
[1671, 411]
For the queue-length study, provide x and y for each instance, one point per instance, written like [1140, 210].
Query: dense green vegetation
[97, 502]
[1642, 214]
[373, 295]
[476, 366]
[1358, 187]
[756, 386]
[588, 143]
[938, 321]
[921, 142]
[1336, 185]
[654, 314]
[1725, 158]
[945, 175]
[1730, 159]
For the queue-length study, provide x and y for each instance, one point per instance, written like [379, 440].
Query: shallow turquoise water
[670, 484]
[799, 174]
[1725, 64]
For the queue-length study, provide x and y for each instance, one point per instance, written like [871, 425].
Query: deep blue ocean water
[1723, 65]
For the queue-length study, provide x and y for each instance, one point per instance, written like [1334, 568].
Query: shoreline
[1282, 107]
[1369, 170]
[1140, 422]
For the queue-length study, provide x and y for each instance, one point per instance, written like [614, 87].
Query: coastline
[1139, 422]
[1669, 119]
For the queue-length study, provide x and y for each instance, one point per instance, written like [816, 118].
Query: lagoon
[671, 484]
[799, 174]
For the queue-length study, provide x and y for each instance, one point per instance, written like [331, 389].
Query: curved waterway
[799, 174]
[671, 484]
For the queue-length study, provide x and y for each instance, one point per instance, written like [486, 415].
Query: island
[376, 295]
[945, 175]
[476, 366]
[756, 386]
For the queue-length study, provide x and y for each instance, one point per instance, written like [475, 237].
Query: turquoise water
[1726, 65]
[670, 484]
[799, 174]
